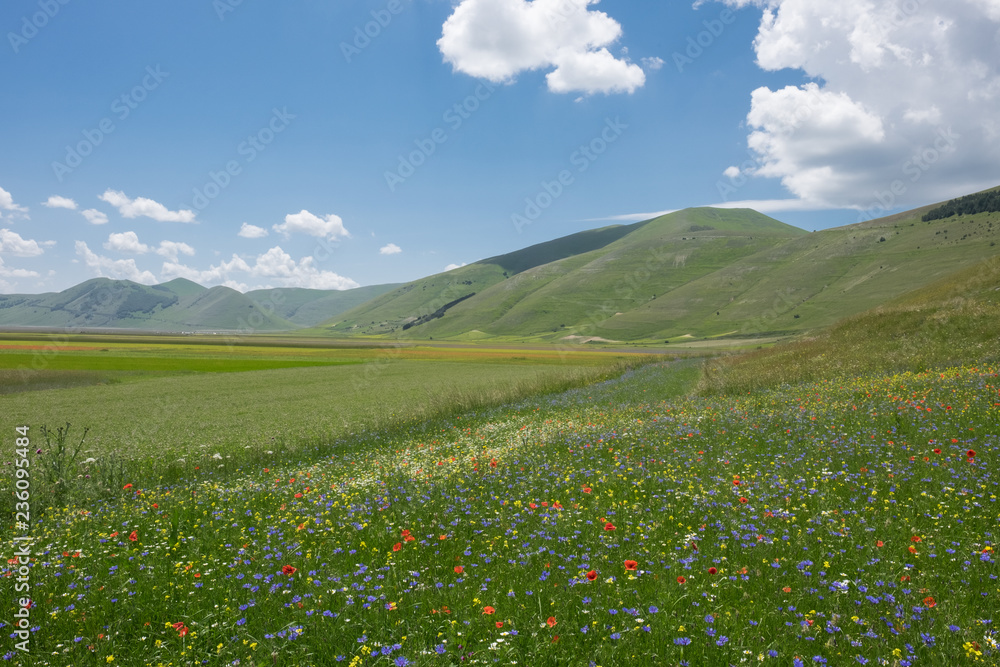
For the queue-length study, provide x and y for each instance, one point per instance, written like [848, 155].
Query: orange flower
[397, 546]
[786, 589]
[551, 621]
[609, 526]
[929, 601]
[744, 500]
[880, 543]
[288, 569]
[587, 489]
[489, 610]
[915, 538]
[127, 486]
[912, 549]
[592, 575]
[681, 580]
[459, 569]
[631, 565]
[134, 536]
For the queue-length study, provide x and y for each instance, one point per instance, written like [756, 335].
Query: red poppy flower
[134, 536]
[937, 451]
[880, 543]
[971, 454]
[288, 569]
[499, 624]
[592, 575]
[681, 580]
[787, 589]
[551, 621]
[459, 569]
[409, 538]
[744, 501]
[712, 570]
[197, 575]
[915, 538]
[609, 526]
[489, 610]
[587, 489]
[912, 549]
[397, 546]
[631, 565]
[298, 495]
[905, 577]
[127, 486]
[155, 506]
[114, 534]
[929, 601]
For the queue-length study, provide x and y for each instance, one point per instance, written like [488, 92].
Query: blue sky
[259, 144]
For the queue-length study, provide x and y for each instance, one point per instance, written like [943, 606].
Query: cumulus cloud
[118, 269]
[249, 231]
[171, 250]
[55, 201]
[11, 243]
[275, 266]
[908, 97]
[94, 216]
[304, 222]
[7, 204]
[126, 242]
[390, 249]
[134, 208]
[15, 273]
[499, 39]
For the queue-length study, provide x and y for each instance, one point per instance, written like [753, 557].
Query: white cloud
[15, 273]
[172, 249]
[94, 216]
[275, 264]
[390, 249]
[126, 242]
[118, 269]
[304, 222]
[499, 39]
[731, 172]
[7, 204]
[908, 97]
[653, 64]
[55, 201]
[134, 208]
[452, 267]
[11, 243]
[249, 231]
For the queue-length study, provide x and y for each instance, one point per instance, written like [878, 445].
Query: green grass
[948, 322]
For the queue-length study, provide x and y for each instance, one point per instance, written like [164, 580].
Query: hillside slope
[553, 289]
[953, 320]
[178, 305]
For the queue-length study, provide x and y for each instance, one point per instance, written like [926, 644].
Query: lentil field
[837, 522]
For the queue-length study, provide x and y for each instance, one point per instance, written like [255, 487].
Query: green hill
[178, 305]
[308, 307]
[698, 273]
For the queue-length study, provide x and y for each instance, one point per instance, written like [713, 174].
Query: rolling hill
[700, 273]
[178, 305]
[697, 273]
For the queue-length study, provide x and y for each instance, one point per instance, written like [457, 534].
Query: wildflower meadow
[841, 522]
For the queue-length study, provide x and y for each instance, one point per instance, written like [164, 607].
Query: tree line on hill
[984, 202]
